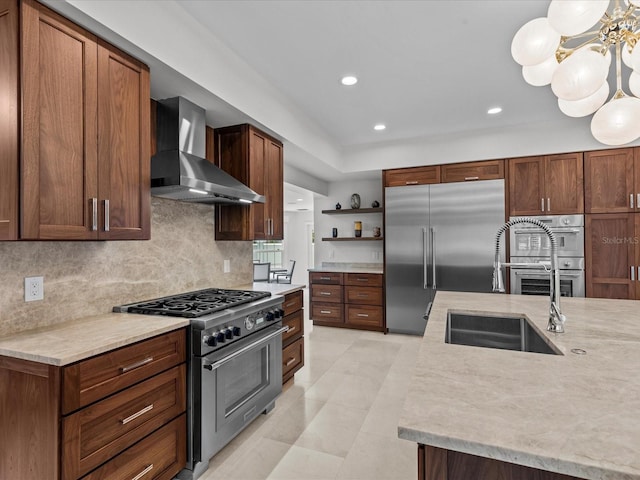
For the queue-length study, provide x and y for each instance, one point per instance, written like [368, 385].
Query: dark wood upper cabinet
[546, 185]
[402, 177]
[472, 171]
[85, 139]
[9, 119]
[256, 159]
[611, 180]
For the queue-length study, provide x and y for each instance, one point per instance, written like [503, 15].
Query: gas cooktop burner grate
[196, 304]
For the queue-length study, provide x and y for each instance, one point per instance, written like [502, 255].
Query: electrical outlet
[33, 288]
[227, 266]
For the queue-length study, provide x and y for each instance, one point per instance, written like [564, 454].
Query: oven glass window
[538, 286]
[243, 378]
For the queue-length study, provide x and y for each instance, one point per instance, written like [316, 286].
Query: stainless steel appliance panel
[407, 253]
[464, 219]
[438, 236]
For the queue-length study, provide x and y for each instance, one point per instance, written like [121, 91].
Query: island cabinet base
[441, 464]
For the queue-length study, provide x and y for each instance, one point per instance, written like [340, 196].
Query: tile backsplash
[89, 278]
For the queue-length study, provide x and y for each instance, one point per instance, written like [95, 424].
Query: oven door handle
[543, 275]
[209, 365]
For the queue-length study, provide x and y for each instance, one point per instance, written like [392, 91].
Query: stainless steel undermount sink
[496, 331]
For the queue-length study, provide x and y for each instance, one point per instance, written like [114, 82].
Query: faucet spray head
[498, 284]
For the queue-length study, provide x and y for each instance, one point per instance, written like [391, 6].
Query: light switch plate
[227, 266]
[33, 289]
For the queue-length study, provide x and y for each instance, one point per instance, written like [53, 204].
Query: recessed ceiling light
[299, 199]
[379, 126]
[494, 110]
[349, 80]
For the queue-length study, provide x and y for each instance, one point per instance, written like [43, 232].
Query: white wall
[295, 243]
[348, 252]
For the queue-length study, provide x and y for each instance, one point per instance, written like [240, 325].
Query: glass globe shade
[572, 17]
[539, 75]
[580, 75]
[534, 42]
[635, 58]
[626, 56]
[616, 123]
[634, 83]
[586, 106]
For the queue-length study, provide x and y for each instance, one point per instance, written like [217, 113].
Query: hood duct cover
[179, 170]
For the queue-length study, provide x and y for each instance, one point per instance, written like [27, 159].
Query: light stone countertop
[274, 288]
[377, 271]
[70, 342]
[572, 414]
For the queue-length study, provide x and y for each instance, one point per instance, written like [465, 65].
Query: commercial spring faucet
[556, 318]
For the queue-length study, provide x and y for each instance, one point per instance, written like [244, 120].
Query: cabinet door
[9, 119]
[257, 175]
[563, 184]
[123, 146]
[402, 177]
[610, 245]
[471, 171]
[274, 190]
[59, 150]
[608, 186]
[526, 186]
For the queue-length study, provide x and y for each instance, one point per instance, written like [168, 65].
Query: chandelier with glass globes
[571, 48]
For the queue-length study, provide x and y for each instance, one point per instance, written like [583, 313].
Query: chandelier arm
[579, 35]
[618, 72]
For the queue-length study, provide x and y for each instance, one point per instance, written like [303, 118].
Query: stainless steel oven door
[237, 385]
[527, 242]
[525, 281]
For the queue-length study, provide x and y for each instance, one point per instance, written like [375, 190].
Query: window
[269, 251]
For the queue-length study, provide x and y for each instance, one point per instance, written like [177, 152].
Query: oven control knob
[228, 333]
[236, 331]
[270, 317]
[281, 312]
[220, 337]
[249, 323]
[210, 340]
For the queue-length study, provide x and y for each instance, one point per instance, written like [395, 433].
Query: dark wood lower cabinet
[441, 464]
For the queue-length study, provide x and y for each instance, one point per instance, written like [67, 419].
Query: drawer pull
[325, 278]
[292, 329]
[471, 178]
[366, 315]
[363, 294]
[146, 409]
[290, 304]
[326, 294]
[291, 361]
[362, 279]
[412, 182]
[325, 311]
[133, 366]
[143, 472]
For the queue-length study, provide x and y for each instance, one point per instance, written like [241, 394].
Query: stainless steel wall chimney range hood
[179, 170]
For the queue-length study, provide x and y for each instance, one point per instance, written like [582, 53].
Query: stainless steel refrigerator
[438, 237]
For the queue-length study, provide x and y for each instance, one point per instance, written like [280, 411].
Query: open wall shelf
[352, 211]
[350, 239]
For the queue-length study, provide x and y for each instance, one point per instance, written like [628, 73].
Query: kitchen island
[574, 414]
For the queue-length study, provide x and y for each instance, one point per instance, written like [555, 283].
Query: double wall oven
[529, 244]
[235, 367]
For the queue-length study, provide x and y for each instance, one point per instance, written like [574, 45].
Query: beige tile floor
[337, 420]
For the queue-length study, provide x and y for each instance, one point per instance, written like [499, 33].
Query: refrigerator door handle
[425, 284]
[433, 255]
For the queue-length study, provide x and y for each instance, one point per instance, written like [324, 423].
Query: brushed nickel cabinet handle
[290, 361]
[412, 182]
[548, 204]
[366, 315]
[292, 329]
[359, 279]
[365, 295]
[631, 200]
[133, 366]
[94, 214]
[326, 294]
[638, 200]
[146, 409]
[633, 273]
[325, 311]
[290, 304]
[106, 215]
[471, 178]
[143, 472]
[542, 204]
[325, 278]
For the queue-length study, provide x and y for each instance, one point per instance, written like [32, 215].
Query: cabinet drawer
[364, 295]
[326, 293]
[327, 312]
[332, 278]
[411, 176]
[292, 302]
[295, 324]
[292, 359]
[90, 380]
[363, 279]
[364, 315]
[470, 171]
[100, 431]
[160, 456]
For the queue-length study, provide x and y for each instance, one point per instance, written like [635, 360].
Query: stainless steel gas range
[235, 366]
